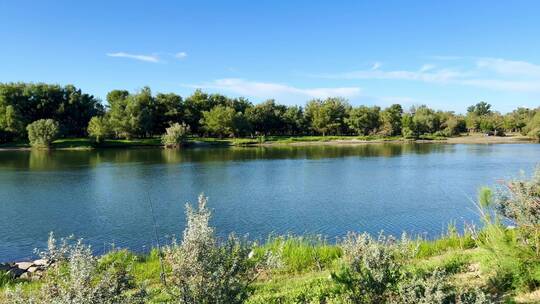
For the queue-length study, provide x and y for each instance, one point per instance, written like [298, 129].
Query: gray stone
[33, 269]
[24, 265]
[25, 276]
[41, 262]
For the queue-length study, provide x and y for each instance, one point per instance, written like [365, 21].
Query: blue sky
[447, 54]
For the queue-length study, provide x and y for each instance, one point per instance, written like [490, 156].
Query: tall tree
[391, 120]
[328, 116]
[364, 120]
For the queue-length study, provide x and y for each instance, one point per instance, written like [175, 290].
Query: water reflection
[54, 160]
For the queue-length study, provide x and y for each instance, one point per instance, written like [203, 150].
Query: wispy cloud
[180, 55]
[274, 90]
[509, 67]
[147, 58]
[487, 73]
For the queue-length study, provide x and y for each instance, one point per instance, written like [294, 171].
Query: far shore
[84, 144]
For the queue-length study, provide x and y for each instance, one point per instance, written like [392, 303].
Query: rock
[25, 276]
[41, 262]
[24, 265]
[15, 272]
[33, 269]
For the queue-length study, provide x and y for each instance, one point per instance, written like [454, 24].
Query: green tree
[480, 109]
[426, 120]
[98, 129]
[364, 120]
[219, 121]
[476, 114]
[168, 109]
[23, 103]
[42, 132]
[327, 116]
[391, 120]
[132, 115]
[267, 117]
[294, 120]
[532, 129]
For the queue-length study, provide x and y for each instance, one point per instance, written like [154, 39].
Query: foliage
[23, 103]
[532, 128]
[299, 253]
[41, 133]
[175, 135]
[391, 120]
[513, 254]
[364, 120]
[98, 129]
[205, 271]
[219, 121]
[268, 118]
[142, 114]
[372, 271]
[74, 277]
[327, 117]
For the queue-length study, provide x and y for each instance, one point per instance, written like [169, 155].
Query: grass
[86, 143]
[306, 264]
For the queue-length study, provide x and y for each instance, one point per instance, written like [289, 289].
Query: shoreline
[293, 141]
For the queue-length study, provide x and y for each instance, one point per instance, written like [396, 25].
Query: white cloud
[487, 73]
[180, 55]
[509, 67]
[274, 90]
[147, 58]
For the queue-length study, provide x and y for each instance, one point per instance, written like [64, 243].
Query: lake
[104, 196]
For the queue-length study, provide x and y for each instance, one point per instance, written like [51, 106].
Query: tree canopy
[143, 114]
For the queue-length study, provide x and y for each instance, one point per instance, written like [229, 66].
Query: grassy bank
[86, 143]
[304, 271]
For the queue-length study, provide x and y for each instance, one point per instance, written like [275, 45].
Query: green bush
[372, 271]
[42, 133]
[175, 135]
[98, 129]
[75, 277]
[513, 255]
[204, 270]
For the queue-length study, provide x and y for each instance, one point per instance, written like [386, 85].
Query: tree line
[142, 114]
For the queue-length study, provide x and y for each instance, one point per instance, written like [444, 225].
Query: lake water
[103, 195]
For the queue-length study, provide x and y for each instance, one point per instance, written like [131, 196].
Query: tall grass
[300, 253]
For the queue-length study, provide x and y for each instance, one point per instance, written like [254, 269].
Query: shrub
[372, 269]
[512, 254]
[74, 278]
[42, 133]
[204, 270]
[175, 135]
[98, 129]
[436, 288]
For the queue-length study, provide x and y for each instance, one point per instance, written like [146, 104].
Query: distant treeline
[142, 114]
